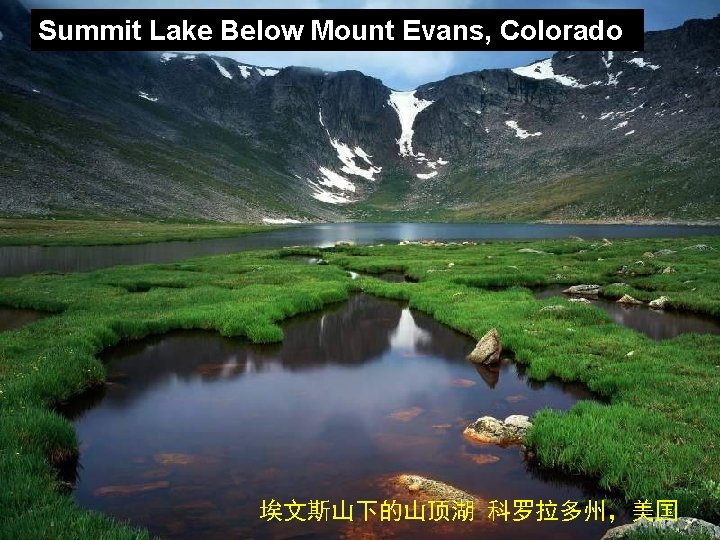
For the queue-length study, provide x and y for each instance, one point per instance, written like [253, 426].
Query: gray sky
[406, 70]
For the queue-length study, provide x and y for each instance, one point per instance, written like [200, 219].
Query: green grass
[654, 435]
[68, 232]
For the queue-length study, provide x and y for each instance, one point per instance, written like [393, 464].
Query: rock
[580, 300]
[488, 349]
[431, 489]
[699, 247]
[668, 270]
[554, 307]
[577, 238]
[631, 353]
[450, 265]
[662, 252]
[660, 303]
[345, 243]
[530, 250]
[627, 299]
[583, 290]
[490, 430]
[685, 526]
[648, 254]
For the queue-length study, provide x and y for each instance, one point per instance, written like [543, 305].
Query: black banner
[336, 29]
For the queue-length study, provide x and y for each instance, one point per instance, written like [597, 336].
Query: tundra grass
[69, 232]
[653, 435]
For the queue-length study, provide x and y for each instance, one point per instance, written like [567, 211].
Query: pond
[18, 260]
[12, 319]
[193, 430]
[657, 324]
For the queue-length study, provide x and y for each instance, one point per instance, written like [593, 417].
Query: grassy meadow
[654, 432]
[69, 232]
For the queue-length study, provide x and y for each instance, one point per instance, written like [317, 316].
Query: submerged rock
[627, 299]
[583, 290]
[690, 527]
[488, 349]
[488, 429]
[660, 303]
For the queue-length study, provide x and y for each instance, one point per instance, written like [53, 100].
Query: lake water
[194, 430]
[18, 260]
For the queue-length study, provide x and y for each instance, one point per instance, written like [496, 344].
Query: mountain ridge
[579, 136]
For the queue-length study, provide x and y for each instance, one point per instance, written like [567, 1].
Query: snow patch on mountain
[224, 72]
[166, 57]
[347, 156]
[332, 179]
[519, 132]
[267, 72]
[640, 62]
[407, 106]
[543, 70]
[280, 221]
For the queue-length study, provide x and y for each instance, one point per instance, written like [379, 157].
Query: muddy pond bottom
[194, 430]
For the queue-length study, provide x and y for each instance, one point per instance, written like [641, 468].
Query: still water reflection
[194, 430]
[654, 323]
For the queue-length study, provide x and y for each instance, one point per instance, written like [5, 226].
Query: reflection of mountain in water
[359, 331]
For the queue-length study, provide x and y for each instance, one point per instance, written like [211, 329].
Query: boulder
[627, 299]
[684, 526]
[699, 247]
[583, 290]
[648, 254]
[660, 303]
[490, 430]
[488, 349]
[432, 489]
[662, 252]
[345, 243]
[668, 270]
[553, 307]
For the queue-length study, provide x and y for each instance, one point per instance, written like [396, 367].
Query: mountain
[581, 135]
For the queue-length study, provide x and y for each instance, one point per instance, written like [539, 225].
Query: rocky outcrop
[663, 252]
[490, 430]
[684, 526]
[660, 303]
[583, 290]
[699, 247]
[488, 349]
[530, 250]
[629, 300]
[431, 489]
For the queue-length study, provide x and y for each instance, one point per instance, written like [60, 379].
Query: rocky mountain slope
[584, 135]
